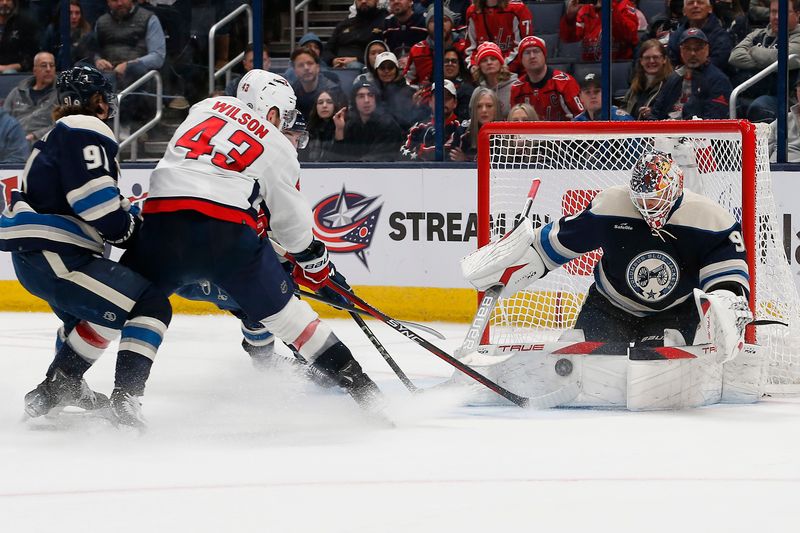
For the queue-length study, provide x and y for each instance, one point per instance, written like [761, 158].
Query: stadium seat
[651, 8]
[346, 77]
[563, 67]
[570, 50]
[620, 74]
[551, 41]
[546, 16]
[9, 81]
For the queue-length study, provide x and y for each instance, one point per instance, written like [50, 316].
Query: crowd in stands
[367, 91]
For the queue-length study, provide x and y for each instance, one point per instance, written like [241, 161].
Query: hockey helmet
[262, 90]
[299, 130]
[77, 85]
[656, 184]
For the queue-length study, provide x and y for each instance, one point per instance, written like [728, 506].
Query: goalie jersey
[225, 162]
[642, 271]
[68, 198]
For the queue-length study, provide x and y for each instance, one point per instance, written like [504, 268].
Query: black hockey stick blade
[767, 322]
[521, 401]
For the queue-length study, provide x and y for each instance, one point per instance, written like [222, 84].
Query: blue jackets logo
[653, 275]
[346, 221]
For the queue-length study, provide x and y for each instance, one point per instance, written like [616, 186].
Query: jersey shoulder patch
[559, 75]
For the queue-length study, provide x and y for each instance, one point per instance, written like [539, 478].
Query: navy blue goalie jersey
[68, 196]
[641, 271]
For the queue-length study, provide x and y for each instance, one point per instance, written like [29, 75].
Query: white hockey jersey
[224, 161]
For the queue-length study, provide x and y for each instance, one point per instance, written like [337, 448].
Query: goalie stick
[491, 296]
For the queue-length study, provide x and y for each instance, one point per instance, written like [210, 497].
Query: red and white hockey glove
[312, 266]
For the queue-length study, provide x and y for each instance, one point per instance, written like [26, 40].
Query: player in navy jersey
[67, 209]
[659, 242]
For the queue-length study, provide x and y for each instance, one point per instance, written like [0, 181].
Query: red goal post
[727, 160]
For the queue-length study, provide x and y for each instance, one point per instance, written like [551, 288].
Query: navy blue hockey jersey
[68, 196]
[641, 272]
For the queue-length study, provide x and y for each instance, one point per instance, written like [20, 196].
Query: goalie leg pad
[511, 262]
[743, 379]
[673, 384]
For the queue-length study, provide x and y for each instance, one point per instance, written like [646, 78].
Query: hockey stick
[352, 309]
[491, 295]
[435, 350]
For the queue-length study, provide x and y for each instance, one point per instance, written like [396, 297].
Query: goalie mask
[656, 184]
[76, 86]
[262, 90]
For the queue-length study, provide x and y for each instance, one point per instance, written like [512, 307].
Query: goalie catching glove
[723, 319]
[313, 268]
[511, 262]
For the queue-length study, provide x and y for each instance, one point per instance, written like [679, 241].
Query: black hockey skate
[359, 385]
[62, 390]
[126, 411]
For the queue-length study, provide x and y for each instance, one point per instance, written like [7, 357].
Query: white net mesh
[575, 164]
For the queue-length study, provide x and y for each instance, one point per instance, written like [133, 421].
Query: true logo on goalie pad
[652, 275]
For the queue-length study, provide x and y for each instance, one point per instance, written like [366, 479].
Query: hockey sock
[81, 348]
[69, 362]
[132, 372]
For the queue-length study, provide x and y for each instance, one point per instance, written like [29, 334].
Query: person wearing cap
[699, 14]
[554, 94]
[373, 49]
[503, 22]
[350, 37]
[493, 73]
[310, 40]
[592, 100]
[695, 89]
[404, 27]
[421, 140]
[394, 94]
[364, 132]
[581, 22]
[419, 67]
[756, 52]
[309, 80]
[792, 132]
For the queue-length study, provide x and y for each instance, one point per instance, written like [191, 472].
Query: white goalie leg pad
[743, 378]
[723, 318]
[299, 325]
[91, 340]
[511, 262]
[674, 383]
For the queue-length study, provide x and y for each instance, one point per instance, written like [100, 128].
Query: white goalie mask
[262, 90]
[656, 184]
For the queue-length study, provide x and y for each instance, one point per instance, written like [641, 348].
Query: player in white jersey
[226, 160]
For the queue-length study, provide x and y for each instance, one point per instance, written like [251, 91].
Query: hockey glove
[312, 266]
[723, 319]
[332, 294]
[127, 240]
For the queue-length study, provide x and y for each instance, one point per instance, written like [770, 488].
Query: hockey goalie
[663, 323]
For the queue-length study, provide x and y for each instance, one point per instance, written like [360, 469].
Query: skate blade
[61, 419]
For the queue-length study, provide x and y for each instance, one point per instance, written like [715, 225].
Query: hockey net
[727, 161]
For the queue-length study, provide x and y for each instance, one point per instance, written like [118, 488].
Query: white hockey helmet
[656, 184]
[262, 90]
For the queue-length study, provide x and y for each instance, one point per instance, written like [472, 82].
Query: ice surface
[233, 450]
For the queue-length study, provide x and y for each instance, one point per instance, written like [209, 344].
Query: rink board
[396, 233]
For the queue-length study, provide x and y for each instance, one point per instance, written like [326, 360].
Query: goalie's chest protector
[643, 271]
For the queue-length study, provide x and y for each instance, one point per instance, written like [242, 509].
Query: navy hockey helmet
[77, 85]
[298, 131]
[656, 184]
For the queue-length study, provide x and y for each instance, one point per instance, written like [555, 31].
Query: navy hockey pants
[601, 321]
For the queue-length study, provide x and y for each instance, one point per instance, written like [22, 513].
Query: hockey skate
[360, 387]
[126, 411]
[61, 390]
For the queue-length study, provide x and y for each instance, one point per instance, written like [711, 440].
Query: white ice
[232, 450]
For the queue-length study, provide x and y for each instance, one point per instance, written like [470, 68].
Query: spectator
[365, 132]
[421, 141]
[484, 108]
[522, 113]
[792, 132]
[592, 100]
[403, 28]
[455, 71]
[321, 128]
[698, 15]
[503, 22]
[759, 50]
[309, 81]
[350, 37]
[368, 73]
[554, 94]
[130, 42]
[758, 12]
[33, 100]
[419, 69]
[697, 88]
[649, 74]
[312, 42]
[14, 148]
[660, 28]
[493, 73]
[733, 18]
[80, 34]
[247, 65]
[18, 39]
[394, 94]
[581, 22]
